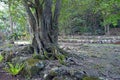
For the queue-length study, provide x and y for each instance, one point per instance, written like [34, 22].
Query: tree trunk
[44, 24]
[107, 30]
[10, 18]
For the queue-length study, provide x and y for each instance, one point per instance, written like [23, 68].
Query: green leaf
[14, 69]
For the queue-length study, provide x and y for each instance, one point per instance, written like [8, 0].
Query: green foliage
[15, 10]
[76, 16]
[60, 58]
[90, 78]
[14, 36]
[1, 57]
[31, 61]
[46, 54]
[91, 14]
[14, 69]
[17, 35]
[108, 9]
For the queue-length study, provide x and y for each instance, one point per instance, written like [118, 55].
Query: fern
[14, 69]
[1, 57]
[61, 58]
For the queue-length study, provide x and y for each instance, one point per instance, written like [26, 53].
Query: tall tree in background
[10, 16]
[109, 10]
[43, 19]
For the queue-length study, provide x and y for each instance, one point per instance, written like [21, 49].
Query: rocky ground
[97, 60]
[102, 60]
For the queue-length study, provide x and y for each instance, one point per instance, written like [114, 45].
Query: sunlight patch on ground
[22, 42]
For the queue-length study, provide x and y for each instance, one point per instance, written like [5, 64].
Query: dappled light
[59, 39]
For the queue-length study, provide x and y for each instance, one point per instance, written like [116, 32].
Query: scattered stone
[33, 67]
[64, 73]
[19, 59]
[99, 60]
[78, 74]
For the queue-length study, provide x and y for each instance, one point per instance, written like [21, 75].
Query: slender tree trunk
[10, 18]
[43, 24]
[107, 30]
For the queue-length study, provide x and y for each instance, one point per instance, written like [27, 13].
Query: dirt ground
[101, 60]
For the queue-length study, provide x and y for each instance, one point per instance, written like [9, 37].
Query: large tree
[43, 20]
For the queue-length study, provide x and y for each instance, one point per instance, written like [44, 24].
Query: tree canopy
[76, 16]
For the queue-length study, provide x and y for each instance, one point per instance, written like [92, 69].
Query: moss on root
[90, 78]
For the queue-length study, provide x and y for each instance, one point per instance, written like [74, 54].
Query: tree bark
[44, 25]
[107, 30]
[10, 17]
